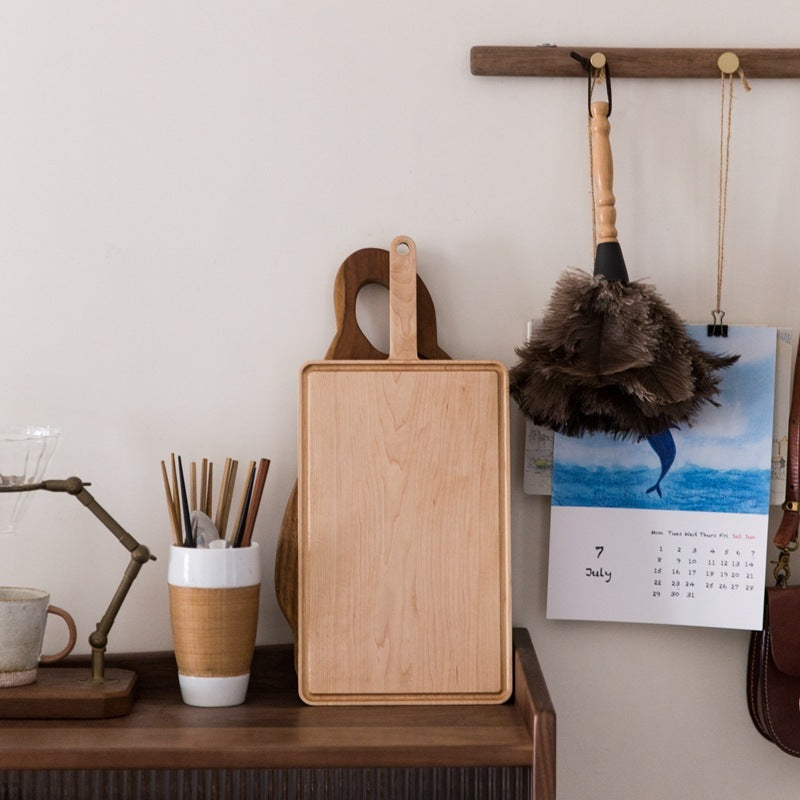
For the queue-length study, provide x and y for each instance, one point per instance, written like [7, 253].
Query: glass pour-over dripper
[25, 451]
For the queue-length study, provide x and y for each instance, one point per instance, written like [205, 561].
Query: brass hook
[728, 63]
[598, 60]
[595, 65]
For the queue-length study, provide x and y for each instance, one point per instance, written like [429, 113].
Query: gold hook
[728, 63]
[597, 60]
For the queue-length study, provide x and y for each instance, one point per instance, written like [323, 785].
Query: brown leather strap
[787, 531]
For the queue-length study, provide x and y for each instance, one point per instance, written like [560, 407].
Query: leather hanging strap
[787, 531]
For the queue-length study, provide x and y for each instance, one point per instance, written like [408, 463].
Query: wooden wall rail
[631, 62]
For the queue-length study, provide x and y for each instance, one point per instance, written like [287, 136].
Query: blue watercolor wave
[689, 488]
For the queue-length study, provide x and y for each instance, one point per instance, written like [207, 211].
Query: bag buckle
[782, 570]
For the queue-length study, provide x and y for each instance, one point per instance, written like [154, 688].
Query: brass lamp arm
[139, 556]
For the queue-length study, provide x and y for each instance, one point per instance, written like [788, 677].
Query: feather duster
[611, 356]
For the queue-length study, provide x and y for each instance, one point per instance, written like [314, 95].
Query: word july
[599, 573]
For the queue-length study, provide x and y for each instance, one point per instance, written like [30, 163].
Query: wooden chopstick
[223, 490]
[173, 517]
[255, 501]
[226, 510]
[192, 486]
[238, 531]
[203, 486]
[209, 490]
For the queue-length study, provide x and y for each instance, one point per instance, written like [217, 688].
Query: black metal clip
[717, 328]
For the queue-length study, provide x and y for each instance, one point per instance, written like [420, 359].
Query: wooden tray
[403, 523]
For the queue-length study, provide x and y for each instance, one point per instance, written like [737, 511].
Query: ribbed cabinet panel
[451, 783]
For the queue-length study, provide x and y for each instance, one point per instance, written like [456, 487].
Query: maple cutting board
[403, 523]
[367, 266]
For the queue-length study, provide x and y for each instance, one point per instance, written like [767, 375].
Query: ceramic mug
[213, 596]
[23, 618]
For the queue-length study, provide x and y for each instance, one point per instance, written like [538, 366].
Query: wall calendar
[672, 529]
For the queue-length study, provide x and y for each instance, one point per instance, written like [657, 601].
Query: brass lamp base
[70, 693]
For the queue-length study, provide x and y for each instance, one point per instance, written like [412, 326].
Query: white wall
[179, 182]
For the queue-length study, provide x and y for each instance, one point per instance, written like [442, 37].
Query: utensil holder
[214, 595]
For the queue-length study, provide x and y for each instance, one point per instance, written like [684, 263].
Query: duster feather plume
[612, 358]
[610, 355]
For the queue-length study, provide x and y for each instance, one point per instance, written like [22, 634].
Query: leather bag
[773, 671]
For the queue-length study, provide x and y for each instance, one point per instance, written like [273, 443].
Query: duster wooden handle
[603, 174]
[402, 299]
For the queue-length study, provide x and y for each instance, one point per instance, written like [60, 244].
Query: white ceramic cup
[213, 595]
[23, 618]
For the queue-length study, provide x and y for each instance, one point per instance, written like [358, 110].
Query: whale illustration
[664, 445]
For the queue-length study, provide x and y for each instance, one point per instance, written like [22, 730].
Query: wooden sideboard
[275, 746]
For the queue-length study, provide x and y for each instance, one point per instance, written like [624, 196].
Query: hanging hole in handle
[372, 315]
[403, 249]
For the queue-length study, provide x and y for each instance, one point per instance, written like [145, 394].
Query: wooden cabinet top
[275, 729]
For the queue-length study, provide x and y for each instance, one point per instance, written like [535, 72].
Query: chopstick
[244, 504]
[192, 486]
[203, 486]
[175, 497]
[209, 490]
[223, 490]
[255, 502]
[173, 516]
[226, 495]
[188, 537]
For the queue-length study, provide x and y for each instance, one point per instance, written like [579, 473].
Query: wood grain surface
[631, 62]
[403, 531]
[70, 693]
[403, 299]
[603, 174]
[274, 729]
[368, 266]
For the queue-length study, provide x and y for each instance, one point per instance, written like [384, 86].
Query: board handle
[403, 299]
[370, 265]
[603, 174]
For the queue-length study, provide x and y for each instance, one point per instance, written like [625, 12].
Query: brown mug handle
[73, 635]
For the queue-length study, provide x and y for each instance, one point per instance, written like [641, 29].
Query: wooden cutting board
[403, 523]
[364, 267]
